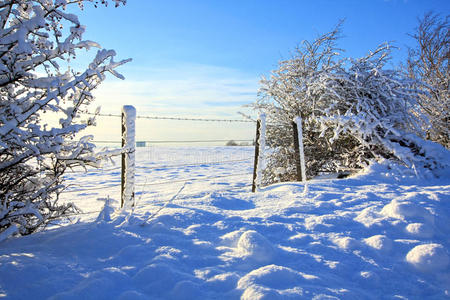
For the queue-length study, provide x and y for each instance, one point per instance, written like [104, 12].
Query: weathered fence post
[259, 151]
[299, 152]
[255, 164]
[128, 155]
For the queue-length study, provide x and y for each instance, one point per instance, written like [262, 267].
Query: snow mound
[259, 293]
[97, 285]
[157, 277]
[379, 242]
[420, 230]
[345, 243]
[254, 246]
[428, 257]
[405, 210]
[187, 290]
[272, 281]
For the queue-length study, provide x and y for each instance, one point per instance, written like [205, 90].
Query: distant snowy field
[384, 234]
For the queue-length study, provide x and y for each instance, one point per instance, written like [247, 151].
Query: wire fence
[149, 142]
[146, 185]
[154, 161]
[176, 118]
[171, 181]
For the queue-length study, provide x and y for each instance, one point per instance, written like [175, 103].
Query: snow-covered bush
[353, 111]
[38, 40]
[428, 61]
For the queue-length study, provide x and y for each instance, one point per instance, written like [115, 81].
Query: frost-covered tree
[38, 41]
[353, 111]
[429, 62]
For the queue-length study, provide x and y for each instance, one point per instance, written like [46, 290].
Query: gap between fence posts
[298, 146]
[128, 155]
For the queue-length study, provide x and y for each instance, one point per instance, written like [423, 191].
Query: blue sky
[205, 58]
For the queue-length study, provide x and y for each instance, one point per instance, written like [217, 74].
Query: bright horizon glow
[205, 58]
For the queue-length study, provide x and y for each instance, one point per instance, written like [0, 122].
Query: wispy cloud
[186, 90]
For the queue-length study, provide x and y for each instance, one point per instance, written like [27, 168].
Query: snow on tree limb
[428, 61]
[353, 110]
[36, 38]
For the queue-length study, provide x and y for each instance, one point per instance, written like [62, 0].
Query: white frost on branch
[36, 38]
[354, 111]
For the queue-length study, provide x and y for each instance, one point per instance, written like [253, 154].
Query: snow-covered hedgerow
[353, 111]
[38, 40]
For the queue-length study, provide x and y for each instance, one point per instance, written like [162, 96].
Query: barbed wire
[174, 141]
[175, 118]
[196, 141]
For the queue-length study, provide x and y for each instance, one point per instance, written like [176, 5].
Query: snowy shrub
[428, 61]
[38, 40]
[353, 111]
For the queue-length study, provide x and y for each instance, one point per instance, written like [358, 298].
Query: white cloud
[189, 89]
[185, 90]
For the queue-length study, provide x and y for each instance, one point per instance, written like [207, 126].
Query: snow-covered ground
[197, 232]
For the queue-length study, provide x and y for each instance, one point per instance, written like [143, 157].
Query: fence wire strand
[150, 142]
[156, 183]
[93, 170]
[194, 164]
[89, 189]
[176, 118]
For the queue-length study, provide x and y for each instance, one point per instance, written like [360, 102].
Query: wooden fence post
[259, 152]
[298, 146]
[255, 165]
[128, 155]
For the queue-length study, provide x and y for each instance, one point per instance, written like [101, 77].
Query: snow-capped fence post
[298, 145]
[259, 151]
[128, 155]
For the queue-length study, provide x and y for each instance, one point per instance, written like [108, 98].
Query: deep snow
[383, 234]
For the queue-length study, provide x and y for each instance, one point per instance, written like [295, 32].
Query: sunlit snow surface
[379, 235]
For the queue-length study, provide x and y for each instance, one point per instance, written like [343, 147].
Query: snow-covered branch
[36, 38]
[353, 111]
